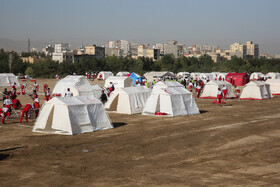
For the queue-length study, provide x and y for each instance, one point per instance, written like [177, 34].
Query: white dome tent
[122, 74]
[273, 75]
[222, 76]
[8, 79]
[210, 89]
[103, 75]
[184, 75]
[119, 82]
[128, 100]
[256, 76]
[256, 90]
[170, 99]
[274, 86]
[72, 115]
[195, 75]
[78, 84]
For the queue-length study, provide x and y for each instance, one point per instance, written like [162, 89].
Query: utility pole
[11, 58]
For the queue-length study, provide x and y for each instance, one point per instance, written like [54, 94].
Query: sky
[215, 22]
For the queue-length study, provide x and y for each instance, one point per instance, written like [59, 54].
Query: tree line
[46, 68]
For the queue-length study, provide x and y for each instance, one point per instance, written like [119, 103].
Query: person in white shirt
[224, 89]
[198, 90]
[219, 95]
[190, 86]
[68, 93]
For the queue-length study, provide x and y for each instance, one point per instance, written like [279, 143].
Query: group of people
[92, 75]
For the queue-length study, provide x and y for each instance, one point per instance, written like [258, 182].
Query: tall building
[62, 52]
[97, 51]
[124, 45]
[172, 47]
[144, 51]
[238, 50]
[252, 50]
[160, 47]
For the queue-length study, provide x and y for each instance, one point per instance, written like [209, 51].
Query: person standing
[219, 95]
[190, 86]
[45, 87]
[237, 91]
[198, 90]
[5, 92]
[68, 93]
[23, 86]
[48, 95]
[103, 97]
[36, 86]
[224, 91]
[8, 102]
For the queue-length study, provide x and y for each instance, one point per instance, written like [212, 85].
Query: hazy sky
[217, 22]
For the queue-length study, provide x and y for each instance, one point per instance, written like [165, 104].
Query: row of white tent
[85, 113]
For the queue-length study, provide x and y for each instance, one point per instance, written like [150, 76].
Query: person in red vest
[23, 86]
[45, 87]
[36, 104]
[224, 91]
[4, 112]
[48, 95]
[16, 103]
[198, 90]
[36, 86]
[190, 86]
[26, 111]
[237, 91]
[219, 96]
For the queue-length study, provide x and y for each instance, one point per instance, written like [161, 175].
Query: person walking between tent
[26, 111]
[68, 93]
[219, 96]
[224, 91]
[14, 86]
[22, 87]
[198, 90]
[103, 97]
[237, 91]
[36, 105]
[48, 95]
[36, 86]
[45, 87]
[4, 112]
[190, 86]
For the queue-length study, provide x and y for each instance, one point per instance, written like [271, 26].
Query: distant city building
[48, 50]
[62, 53]
[113, 52]
[97, 51]
[144, 51]
[248, 50]
[160, 47]
[30, 59]
[124, 45]
[134, 49]
[172, 47]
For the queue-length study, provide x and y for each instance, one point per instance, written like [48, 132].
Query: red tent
[238, 79]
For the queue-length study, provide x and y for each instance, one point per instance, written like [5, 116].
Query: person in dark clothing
[103, 97]
[5, 93]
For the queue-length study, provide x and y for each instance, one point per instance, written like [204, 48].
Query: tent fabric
[256, 76]
[183, 75]
[128, 100]
[122, 74]
[256, 90]
[170, 99]
[210, 89]
[205, 76]
[134, 77]
[80, 114]
[237, 79]
[156, 75]
[195, 75]
[8, 79]
[222, 76]
[119, 82]
[79, 85]
[273, 75]
[274, 86]
[103, 75]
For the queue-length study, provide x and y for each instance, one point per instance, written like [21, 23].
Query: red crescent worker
[190, 86]
[14, 86]
[23, 86]
[237, 92]
[36, 104]
[8, 102]
[45, 87]
[224, 91]
[48, 95]
[26, 111]
[198, 89]
[219, 95]
[4, 112]
[16, 104]
[36, 86]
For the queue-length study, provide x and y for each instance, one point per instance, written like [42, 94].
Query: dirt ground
[236, 144]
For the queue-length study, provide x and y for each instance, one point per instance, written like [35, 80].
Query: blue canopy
[134, 77]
